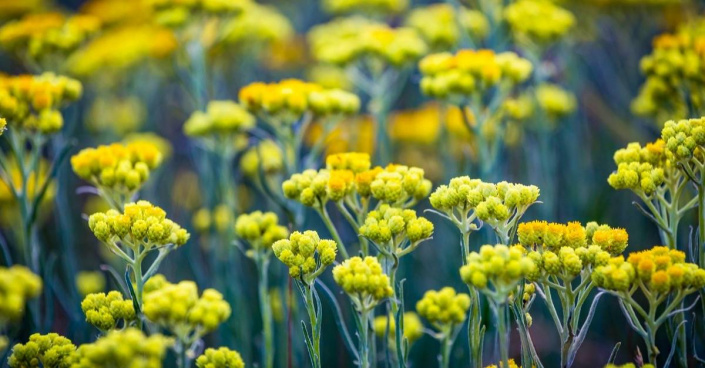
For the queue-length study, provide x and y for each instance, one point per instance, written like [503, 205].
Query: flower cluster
[259, 24]
[141, 224]
[261, 230]
[219, 218]
[123, 348]
[17, 285]
[220, 118]
[400, 185]
[413, 328]
[220, 358]
[554, 236]
[510, 363]
[287, 100]
[555, 101]
[31, 103]
[538, 21]
[50, 350]
[266, 154]
[443, 307]
[175, 13]
[178, 308]
[348, 40]
[469, 72]
[438, 25]
[366, 6]
[390, 226]
[315, 188]
[119, 168]
[105, 311]
[657, 271]
[356, 162]
[89, 282]
[306, 254]
[684, 138]
[497, 270]
[640, 169]
[364, 281]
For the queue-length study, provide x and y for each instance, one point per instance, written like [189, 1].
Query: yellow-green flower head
[538, 21]
[140, 224]
[220, 358]
[365, 6]
[555, 101]
[413, 328]
[261, 230]
[399, 185]
[443, 307]
[50, 350]
[346, 40]
[105, 311]
[220, 117]
[497, 269]
[306, 254]
[471, 72]
[266, 154]
[177, 13]
[17, 285]
[178, 308]
[118, 168]
[31, 102]
[314, 188]
[438, 25]
[3, 125]
[356, 162]
[123, 348]
[257, 24]
[89, 282]
[685, 138]
[4, 342]
[511, 363]
[364, 281]
[628, 365]
[641, 169]
[389, 226]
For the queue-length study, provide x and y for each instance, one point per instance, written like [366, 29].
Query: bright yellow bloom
[497, 270]
[641, 169]
[220, 358]
[538, 21]
[257, 24]
[444, 307]
[104, 311]
[390, 226]
[511, 363]
[364, 281]
[17, 285]
[123, 348]
[555, 101]
[306, 254]
[51, 350]
[365, 6]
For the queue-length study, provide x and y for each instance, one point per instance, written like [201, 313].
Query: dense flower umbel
[266, 154]
[444, 307]
[437, 24]
[50, 350]
[413, 328]
[641, 169]
[538, 21]
[356, 162]
[511, 364]
[554, 236]
[305, 254]
[497, 270]
[470, 72]
[288, 100]
[176, 13]
[220, 118]
[348, 40]
[123, 348]
[17, 285]
[105, 311]
[220, 358]
[555, 101]
[389, 228]
[257, 24]
[366, 6]
[364, 281]
[179, 309]
[685, 138]
[259, 229]
[31, 103]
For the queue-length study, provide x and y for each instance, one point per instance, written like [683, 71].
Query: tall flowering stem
[446, 311]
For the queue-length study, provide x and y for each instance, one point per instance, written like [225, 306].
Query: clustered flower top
[258, 24]
[390, 226]
[656, 271]
[220, 118]
[266, 154]
[400, 185]
[176, 13]
[219, 218]
[260, 229]
[364, 281]
[554, 236]
[31, 103]
[685, 138]
[555, 101]
[538, 21]
[141, 224]
[641, 169]
[356, 162]
[179, 309]
[438, 25]
[43, 34]
[123, 348]
[413, 328]
[470, 72]
[497, 270]
[117, 168]
[365, 6]
[349, 40]
[220, 358]
[305, 254]
[89, 282]
[105, 311]
[17, 285]
[511, 363]
[51, 350]
[444, 307]
[287, 100]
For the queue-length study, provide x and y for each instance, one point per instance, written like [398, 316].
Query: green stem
[364, 339]
[475, 330]
[266, 310]
[323, 212]
[446, 348]
[315, 330]
[502, 331]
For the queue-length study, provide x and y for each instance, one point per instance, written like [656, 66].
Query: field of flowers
[352, 183]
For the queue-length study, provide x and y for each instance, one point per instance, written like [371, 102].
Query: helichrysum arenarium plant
[106, 311]
[50, 350]
[17, 285]
[220, 358]
[445, 27]
[385, 328]
[120, 348]
[446, 310]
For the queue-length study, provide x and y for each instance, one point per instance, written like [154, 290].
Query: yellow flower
[538, 21]
[497, 270]
[437, 23]
[105, 311]
[51, 350]
[266, 153]
[260, 230]
[641, 169]
[366, 6]
[305, 254]
[364, 281]
[220, 358]
[89, 282]
[444, 307]
[123, 348]
[555, 101]
[17, 285]
[413, 328]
